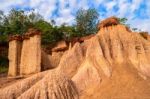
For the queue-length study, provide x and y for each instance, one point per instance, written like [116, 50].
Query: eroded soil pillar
[14, 55]
[31, 53]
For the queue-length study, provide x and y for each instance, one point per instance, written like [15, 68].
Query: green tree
[18, 22]
[46, 28]
[15, 22]
[68, 31]
[86, 21]
[3, 36]
[42, 25]
[34, 17]
[123, 21]
[1, 17]
[53, 22]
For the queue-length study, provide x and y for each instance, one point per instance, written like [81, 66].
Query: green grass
[3, 69]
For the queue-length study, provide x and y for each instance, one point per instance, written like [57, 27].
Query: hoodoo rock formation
[31, 53]
[61, 46]
[113, 64]
[27, 57]
[15, 44]
[108, 22]
[25, 54]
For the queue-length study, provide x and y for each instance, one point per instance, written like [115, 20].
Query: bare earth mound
[114, 64]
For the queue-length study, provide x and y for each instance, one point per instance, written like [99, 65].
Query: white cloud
[135, 4]
[44, 7]
[47, 7]
[7, 4]
[61, 20]
[65, 17]
[110, 5]
[97, 2]
[34, 3]
[141, 24]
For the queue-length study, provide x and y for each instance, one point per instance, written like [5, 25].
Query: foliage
[15, 22]
[3, 38]
[86, 21]
[18, 22]
[123, 21]
[68, 31]
[3, 60]
[45, 27]
[52, 35]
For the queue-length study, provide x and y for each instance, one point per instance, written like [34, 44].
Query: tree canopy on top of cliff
[86, 21]
[124, 22]
[19, 21]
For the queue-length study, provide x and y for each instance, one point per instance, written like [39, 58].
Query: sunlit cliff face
[112, 64]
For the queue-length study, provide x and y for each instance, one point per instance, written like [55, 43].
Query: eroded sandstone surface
[113, 64]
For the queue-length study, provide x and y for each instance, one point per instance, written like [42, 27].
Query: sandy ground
[5, 81]
[125, 83]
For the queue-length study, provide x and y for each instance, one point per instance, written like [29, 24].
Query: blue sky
[137, 11]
